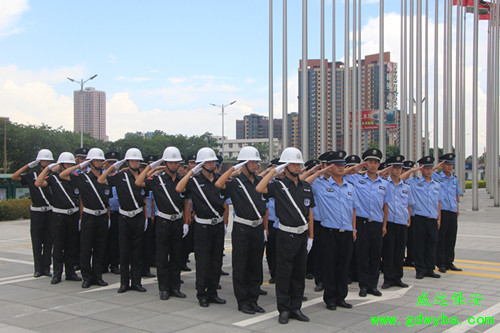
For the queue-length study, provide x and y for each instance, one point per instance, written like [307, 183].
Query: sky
[161, 63]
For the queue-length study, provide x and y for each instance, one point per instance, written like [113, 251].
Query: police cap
[150, 159]
[395, 160]
[323, 158]
[337, 157]
[112, 156]
[426, 161]
[448, 158]
[352, 160]
[372, 153]
[311, 164]
[81, 152]
[408, 165]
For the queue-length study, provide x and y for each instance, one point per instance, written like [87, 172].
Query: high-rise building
[254, 126]
[90, 111]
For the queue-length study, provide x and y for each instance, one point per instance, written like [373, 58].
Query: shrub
[480, 184]
[15, 209]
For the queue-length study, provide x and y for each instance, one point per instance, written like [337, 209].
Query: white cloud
[112, 58]
[132, 79]
[10, 11]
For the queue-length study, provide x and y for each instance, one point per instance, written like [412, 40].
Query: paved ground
[34, 305]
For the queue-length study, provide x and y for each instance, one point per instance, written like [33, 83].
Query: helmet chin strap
[133, 169]
[92, 163]
[249, 172]
[172, 172]
[294, 174]
[207, 170]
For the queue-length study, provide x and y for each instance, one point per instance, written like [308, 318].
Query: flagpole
[360, 104]
[271, 99]
[449, 81]
[347, 111]
[305, 79]
[418, 136]
[426, 94]
[496, 56]
[457, 86]
[381, 98]
[324, 99]
[436, 80]
[411, 99]
[333, 87]
[285, 79]
[404, 84]
[475, 204]
[354, 85]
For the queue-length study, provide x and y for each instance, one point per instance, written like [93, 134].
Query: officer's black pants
[131, 237]
[112, 244]
[314, 257]
[291, 257]
[64, 243]
[187, 244]
[393, 251]
[410, 248]
[208, 248]
[368, 251]
[93, 235]
[147, 248]
[447, 237]
[248, 249]
[41, 241]
[425, 234]
[168, 256]
[271, 249]
[336, 251]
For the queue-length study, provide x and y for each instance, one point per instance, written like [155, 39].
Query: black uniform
[40, 216]
[169, 221]
[208, 234]
[94, 224]
[247, 240]
[130, 226]
[291, 248]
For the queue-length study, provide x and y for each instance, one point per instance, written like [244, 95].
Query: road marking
[17, 261]
[478, 236]
[478, 262]
[465, 326]
[15, 277]
[481, 268]
[21, 280]
[466, 273]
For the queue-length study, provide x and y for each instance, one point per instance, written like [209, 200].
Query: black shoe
[374, 292]
[216, 300]
[442, 269]
[73, 277]
[101, 283]
[37, 274]
[432, 275]
[331, 306]
[246, 308]
[138, 288]
[47, 273]
[309, 276]
[86, 284]
[344, 304]
[219, 287]
[123, 288]
[223, 273]
[182, 281]
[454, 268]
[408, 263]
[77, 268]
[319, 287]
[272, 281]
[363, 292]
[262, 292]
[401, 284]
[284, 316]
[349, 281]
[257, 308]
[177, 293]
[55, 280]
[297, 314]
[204, 303]
[148, 275]
[185, 268]
[304, 298]
[386, 285]
[419, 276]
[164, 295]
[115, 270]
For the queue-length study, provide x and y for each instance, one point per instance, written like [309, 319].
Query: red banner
[370, 119]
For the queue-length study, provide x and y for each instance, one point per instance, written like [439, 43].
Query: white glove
[309, 244]
[52, 165]
[185, 230]
[156, 163]
[281, 167]
[197, 168]
[33, 164]
[84, 164]
[118, 164]
[239, 165]
[109, 223]
[146, 224]
[80, 225]
[265, 236]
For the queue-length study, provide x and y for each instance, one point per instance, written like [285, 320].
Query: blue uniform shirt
[336, 203]
[427, 195]
[398, 208]
[149, 202]
[114, 205]
[450, 188]
[272, 213]
[372, 195]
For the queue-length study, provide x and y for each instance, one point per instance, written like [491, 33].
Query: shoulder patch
[150, 178]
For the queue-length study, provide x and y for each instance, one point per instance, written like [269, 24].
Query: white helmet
[95, 154]
[291, 155]
[249, 153]
[66, 158]
[205, 155]
[133, 154]
[172, 154]
[44, 155]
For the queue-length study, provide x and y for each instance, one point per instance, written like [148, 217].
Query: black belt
[337, 230]
[365, 220]
[426, 217]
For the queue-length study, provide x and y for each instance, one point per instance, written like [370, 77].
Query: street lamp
[222, 106]
[5, 120]
[81, 83]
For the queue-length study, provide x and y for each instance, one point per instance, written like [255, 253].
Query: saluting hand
[33, 164]
[197, 168]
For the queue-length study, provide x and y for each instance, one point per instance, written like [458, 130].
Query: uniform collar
[376, 179]
[333, 182]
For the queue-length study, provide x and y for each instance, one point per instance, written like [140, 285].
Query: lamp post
[222, 106]
[5, 120]
[81, 83]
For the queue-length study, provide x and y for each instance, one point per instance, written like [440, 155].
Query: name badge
[329, 189]
[420, 185]
[349, 193]
[405, 192]
[362, 182]
[382, 188]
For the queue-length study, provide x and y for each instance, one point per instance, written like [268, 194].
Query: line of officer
[351, 161]
[209, 229]
[40, 213]
[250, 228]
[112, 260]
[336, 200]
[188, 240]
[65, 216]
[294, 199]
[407, 166]
[149, 248]
[95, 217]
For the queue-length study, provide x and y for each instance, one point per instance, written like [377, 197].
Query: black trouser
[271, 249]
[41, 241]
[131, 237]
[291, 257]
[410, 248]
[248, 249]
[64, 243]
[93, 235]
[112, 244]
[208, 247]
[314, 257]
[168, 258]
[368, 251]
[425, 234]
[147, 248]
[447, 237]
[393, 251]
[187, 244]
[336, 251]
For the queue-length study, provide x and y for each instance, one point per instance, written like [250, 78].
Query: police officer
[371, 221]
[337, 202]
[407, 166]
[95, 218]
[40, 212]
[249, 228]
[294, 239]
[398, 221]
[427, 195]
[112, 246]
[209, 229]
[132, 221]
[149, 234]
[188, 240]
[447, 235]
[351, 161]
[81, 155]
[169, 221]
